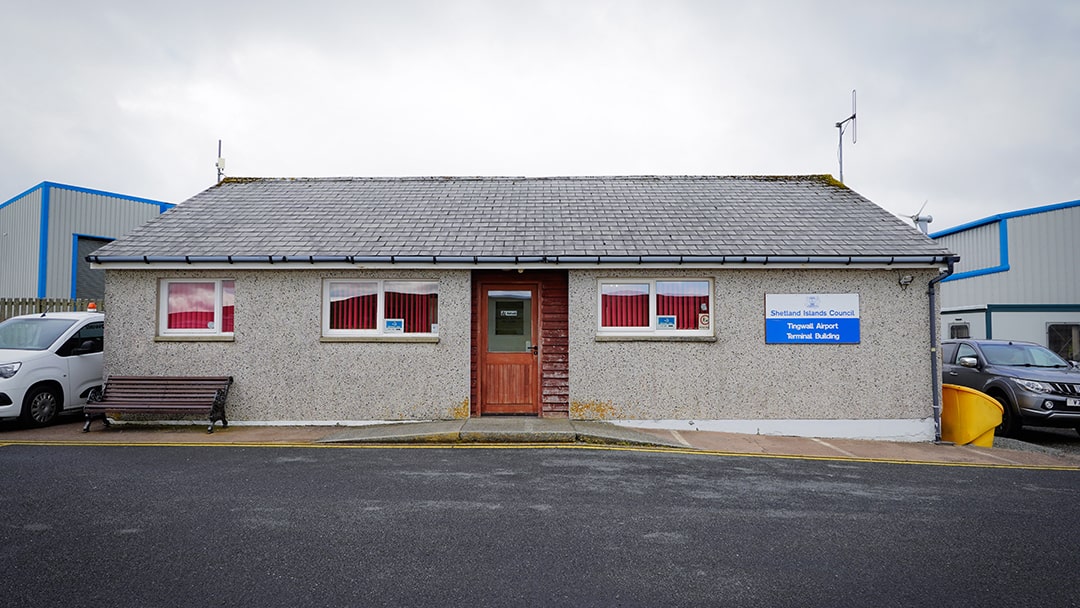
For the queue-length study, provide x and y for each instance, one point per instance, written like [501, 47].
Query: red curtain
[418, 310]
[228, 289]
[685, 308]
[227, 319]
[355, 312]
[624, 310]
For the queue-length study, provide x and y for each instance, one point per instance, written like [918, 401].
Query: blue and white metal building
[47, 232]
[1017, 278]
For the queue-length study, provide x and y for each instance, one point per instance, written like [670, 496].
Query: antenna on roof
[220, 164]
[922, 221]
[842, 125]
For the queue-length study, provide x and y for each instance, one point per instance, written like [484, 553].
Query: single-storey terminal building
[781, 305]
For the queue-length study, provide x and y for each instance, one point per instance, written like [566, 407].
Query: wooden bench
[191, 395]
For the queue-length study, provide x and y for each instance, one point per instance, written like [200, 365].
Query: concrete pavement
[504, 431]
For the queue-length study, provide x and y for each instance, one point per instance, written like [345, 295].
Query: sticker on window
[666, 322]
[394, 326]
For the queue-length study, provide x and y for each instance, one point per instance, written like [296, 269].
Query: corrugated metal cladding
[979, 248]
[1043, 254]
[1041, 257]
[74, 212]
[20, 230]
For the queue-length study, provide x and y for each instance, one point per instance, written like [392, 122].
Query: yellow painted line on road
[547, 446]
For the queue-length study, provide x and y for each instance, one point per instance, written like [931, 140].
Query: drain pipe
[935, 321]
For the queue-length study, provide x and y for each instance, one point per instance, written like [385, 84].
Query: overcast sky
[970, 106]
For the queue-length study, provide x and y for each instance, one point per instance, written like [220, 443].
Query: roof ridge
[444, 178]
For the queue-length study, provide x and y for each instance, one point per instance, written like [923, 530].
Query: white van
[49, 363]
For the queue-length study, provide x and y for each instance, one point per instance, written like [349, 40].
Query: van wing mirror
[968, 361]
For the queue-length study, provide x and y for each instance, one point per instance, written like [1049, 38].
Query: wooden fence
[11, 307]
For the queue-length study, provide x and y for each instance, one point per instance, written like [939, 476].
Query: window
[959, 330]
[380, 308]
[1064, 339]
[656, 307]
[197, 307]
[88, 340]
[965, 350]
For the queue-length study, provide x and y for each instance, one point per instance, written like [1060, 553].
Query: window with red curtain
[354, 305]
[684, 300]
[416, 303]
[624, 305]
[411, 307]
[191, 305]
[199, 306]
[662, 306]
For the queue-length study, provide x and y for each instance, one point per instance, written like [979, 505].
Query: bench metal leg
[91, 417]
[218, 412]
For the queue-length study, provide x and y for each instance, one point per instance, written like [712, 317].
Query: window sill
[194, 338]
[644, 338]
[400, 339]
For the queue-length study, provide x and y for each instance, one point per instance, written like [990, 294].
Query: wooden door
[509, 380]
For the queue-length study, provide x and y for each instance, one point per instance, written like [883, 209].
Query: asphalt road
[252, 526]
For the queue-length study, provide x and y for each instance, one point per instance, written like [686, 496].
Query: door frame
[508, 283]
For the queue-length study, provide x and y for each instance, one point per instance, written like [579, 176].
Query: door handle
[534, 349]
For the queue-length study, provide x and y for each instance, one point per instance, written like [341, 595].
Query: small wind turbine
[843, 125]
[922, 221]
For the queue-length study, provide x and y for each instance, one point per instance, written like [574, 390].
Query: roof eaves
[555, 260]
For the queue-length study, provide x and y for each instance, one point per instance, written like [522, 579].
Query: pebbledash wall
[877, 388]
[735, 382]
[282, 369]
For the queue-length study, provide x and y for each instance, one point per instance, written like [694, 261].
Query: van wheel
[40, 406]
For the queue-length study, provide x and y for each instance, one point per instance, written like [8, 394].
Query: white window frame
[959, 325]
[163, 309]
[652, 329]
[380, 317]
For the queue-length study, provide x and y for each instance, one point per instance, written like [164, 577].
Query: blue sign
[812, 319]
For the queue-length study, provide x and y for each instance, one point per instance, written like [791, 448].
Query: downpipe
[935, 321]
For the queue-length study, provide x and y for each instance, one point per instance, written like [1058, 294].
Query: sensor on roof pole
[842, 125]
[220, 163]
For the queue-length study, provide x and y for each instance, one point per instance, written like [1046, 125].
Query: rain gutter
[601, 260]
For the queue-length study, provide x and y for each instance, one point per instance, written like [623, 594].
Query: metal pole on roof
[841, 125]
[220, 164]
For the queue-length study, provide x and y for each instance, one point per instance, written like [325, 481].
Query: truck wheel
[1010, 422]
[40, 406]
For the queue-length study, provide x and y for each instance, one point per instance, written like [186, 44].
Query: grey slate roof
[509, 216]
